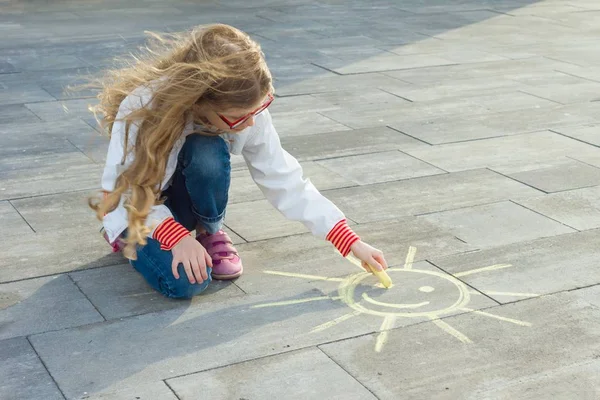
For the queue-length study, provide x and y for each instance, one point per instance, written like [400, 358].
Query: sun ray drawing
[412, 296]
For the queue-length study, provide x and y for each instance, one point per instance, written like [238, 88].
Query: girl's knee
[206, 154]
[182, 288]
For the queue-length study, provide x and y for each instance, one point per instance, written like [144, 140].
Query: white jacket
[274, 170]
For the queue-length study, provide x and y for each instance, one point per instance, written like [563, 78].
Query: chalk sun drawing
[354, 293]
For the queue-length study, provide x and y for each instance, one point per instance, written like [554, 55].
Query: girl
[174, 118]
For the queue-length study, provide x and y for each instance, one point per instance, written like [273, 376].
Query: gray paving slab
[497, 224]
[16, 113]
[58, 211]
[243, 188]
[306, 123]
[28, 62]
[579, 208]
[30, 306]
[147, 391]
[359, 116]
[47, 174]
[380, 167]
[590, 73]
[522, 270]
[183, 342]
[516, 350]
[11, 223]
[427, 194]
[589, 294]
[567, 93]
[29, 93]
[304, 254]
[53, 252]
[362, 98]
[93, 145]
[386, 62]
[62, 110]
[432, 47]
[585, 133]
[7, 68]
[120, 291]
[459, 128]
[334, 83]
[449, 129]
[297, 375]
[507, 69]
[556, 176]
[348, 143]
[265, 222]
[31, 144]
[456, 88]
[511, 153]
[299, 104]
[536, 119]
[23, 374]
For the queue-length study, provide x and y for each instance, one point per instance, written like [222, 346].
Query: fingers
[208, 259]
[366, 267]
[381, 259]
[174, 269]
[202, 268]
[375, 264]
[199, 269]
[188, 270]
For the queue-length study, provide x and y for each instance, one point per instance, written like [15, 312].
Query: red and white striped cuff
[342, 237]
[169, 233]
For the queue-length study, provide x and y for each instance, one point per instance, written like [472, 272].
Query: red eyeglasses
[240, 121]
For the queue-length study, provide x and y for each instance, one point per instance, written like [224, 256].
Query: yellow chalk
[383, 277]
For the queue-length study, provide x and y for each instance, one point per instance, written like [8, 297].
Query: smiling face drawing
[417, 293]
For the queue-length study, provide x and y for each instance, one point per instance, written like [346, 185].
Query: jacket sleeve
[280, 177]
[164, 228]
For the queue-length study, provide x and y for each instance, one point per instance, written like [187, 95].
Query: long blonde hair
[216, 66]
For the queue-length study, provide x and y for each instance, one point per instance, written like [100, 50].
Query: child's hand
[194, 258]
[369, 256]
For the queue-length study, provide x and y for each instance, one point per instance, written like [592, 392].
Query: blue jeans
[197, 196]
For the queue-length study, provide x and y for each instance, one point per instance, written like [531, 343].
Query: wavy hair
[216, 65]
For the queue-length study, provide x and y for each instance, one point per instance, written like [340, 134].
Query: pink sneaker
[226, 262]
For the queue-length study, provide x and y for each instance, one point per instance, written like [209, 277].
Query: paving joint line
[326, 69]
[21, 215]
[397, 95]
[574, 138]
[423, 161]
[545, 216]
[515, 180]
[488, 203]
[346, 371]
[411, 136]
[464, 282]
[334, 120]
[541, 97]
[45, 367]
[577, 76]
[81, 151]
[60, 273]
[86, 296]
[49, 194]
[170, 388]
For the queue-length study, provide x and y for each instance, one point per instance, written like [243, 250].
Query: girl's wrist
[342, 237]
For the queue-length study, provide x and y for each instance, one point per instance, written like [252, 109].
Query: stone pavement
[459, 136]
